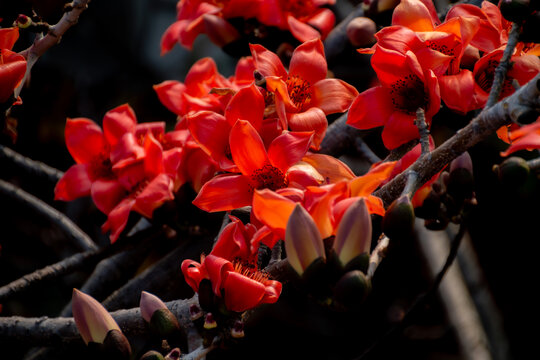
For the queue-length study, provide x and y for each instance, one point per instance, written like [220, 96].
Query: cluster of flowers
[420, 61]
[305, 20]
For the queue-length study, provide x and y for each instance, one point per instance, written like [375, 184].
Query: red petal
[399, 129]
[311, 120]
[8, 37]
[243, 74]
[289, 148]
[153, 161]
[223, 193]
[106, 194]
[246, 104]
[323, 20]
[118, 218]
[266, 62]
[247, 148]
[218, 269]
[192, 273]
[170, 94]
[126, 150]
[74, 184]
[154, 195]
[272, 210]
[333, 95]
[308, 62]
[12, 69]
[84, 140]
[371, 108]
[301, 30]
[458, 91]
[171, 36]
[415, 15]
[117, 122]
[242, 293]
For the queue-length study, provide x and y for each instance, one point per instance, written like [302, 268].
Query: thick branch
[337, 38]
[521, 103]
[73, 233]
[46, 331]
[31, 167]
[339, 137]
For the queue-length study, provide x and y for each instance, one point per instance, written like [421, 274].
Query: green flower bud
[152, 355]
[398, 222]
[512, 172]
[116, 345]
[352, 290]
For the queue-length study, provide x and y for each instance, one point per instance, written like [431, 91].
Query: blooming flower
[259, 168]
[303, 95]
[405, 87]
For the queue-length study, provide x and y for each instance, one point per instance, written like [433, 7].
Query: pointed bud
[352, 289]
[512, 172]
[116, 345]
[210, 322]
[149, 304]
[237, 330]
[154, 311]
[303, 242]
[174, 354]
[461, 182]
[361, 31]
[92, 319]
[219, 30]
[398, 221]
[353, 236]
[152, 355]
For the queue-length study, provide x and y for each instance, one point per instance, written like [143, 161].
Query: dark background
[111, 57]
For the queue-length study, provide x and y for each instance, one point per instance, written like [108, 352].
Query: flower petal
[333, 95]
[267, 62]
[288, 148]
[242, 293]
[372, 108]
[272, 210]
[247, 148]
[246, 104]
[223, 193]
[106, 194]
[312, 120]
[117, 122]
[308, 61]
[74, 184]
[399, 129]
[84, 140]
[301, 30]
[170, 94]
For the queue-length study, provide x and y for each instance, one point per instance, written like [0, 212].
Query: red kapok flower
[303, 95]
[405, 87]
[524, 138]
[12, 65]
[259, 168]
[242, 287]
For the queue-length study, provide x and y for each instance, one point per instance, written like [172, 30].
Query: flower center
[101, 167]
[485, 79]
[268, 177]
[408, 94]
[250, 271]
[299, 91]
[440, 48]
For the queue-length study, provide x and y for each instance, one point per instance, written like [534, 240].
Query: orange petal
[223, 193]
[247, 148]
[308, 61]
[368, 183]
[272, 210]
[332, 169]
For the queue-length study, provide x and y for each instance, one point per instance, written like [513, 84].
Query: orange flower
[303, 95]
[259, 168]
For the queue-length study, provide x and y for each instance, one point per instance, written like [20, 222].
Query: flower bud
[353, 236]
[512, 172]
[352, 289]
[303, 242]
[91, 318]
[237, 330]
[398, 221]
[174, 354]
[219, 30]
[460, 182]
[210, 322]
[152, 355]
[116, 345]
[361, 31]
[195, 312]
[22, 21]
[161, 320]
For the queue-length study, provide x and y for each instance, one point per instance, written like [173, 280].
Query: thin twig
[44, 43]
[522, 103]
[73, 233]
[365, 152]
[504, 65]
[377, 255]
[337, 39]
[31, 167]
[423, 130]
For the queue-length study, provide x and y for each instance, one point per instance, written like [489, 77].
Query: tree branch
[31, 167]
[73, 233]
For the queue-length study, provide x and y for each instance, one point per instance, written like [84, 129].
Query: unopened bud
[399, 218]
[361, 31]
[353, 236]
[512, 172]
[303, 242]
[91, 318]
[237, 330]
[149, 304]
[161, 320]
[22, 21]
[210, 322]
[461, 182]
[352, 289]
[195, 312]
[152, 355]
[116, 345]
[174, 354]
